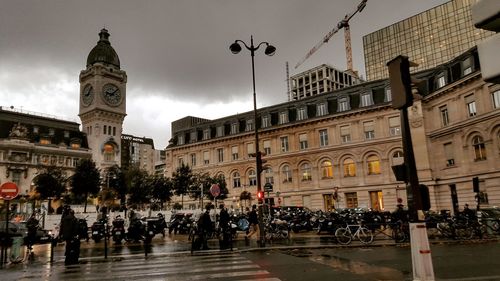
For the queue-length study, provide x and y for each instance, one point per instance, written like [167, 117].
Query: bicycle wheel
[365, 235]
[343, 235]
[398, 235]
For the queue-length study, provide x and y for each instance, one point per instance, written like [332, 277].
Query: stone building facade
[336, 149]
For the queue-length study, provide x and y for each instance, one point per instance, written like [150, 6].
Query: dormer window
[36, 129]
[193, 136]
[206, 134]
[343, 104]
[321, 109]
[220, 131]
[388, 94]
[301, 113]
[249, 125]
[52, 132]
[366, 99]
[467, 66]
[180, 139]
[266, 121]
[234, 128]
[283, 117]
[66, 134]
[441, 81]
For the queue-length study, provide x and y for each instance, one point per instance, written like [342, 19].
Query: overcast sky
[176, 52]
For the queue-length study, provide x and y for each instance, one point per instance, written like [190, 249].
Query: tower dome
[103, 52]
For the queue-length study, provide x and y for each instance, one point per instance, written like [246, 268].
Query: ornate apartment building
[31, 141]
[337, 149]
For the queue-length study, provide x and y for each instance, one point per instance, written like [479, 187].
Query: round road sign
[215, 190]
[8, 191]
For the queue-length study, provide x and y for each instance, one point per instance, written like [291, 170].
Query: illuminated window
[75, 145]
[44, 141]
[373, 163]
[326, 169]
[479, 148]
[349, 168]
[109, 152]
[306, 172]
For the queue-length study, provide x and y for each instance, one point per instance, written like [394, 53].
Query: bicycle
[345, 235]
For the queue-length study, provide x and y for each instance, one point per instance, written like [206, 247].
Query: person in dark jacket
[224, 220]
[32, 225]
[69, 233]
[205, 227]
[253, 219]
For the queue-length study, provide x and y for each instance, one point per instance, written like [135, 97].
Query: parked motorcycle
[136, 230]
[118, 231]
[99, 230]
[174, 222]
[83, 229]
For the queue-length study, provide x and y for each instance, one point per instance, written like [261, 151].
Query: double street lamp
[270, 50]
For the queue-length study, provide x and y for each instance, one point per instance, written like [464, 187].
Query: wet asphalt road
[304, 257]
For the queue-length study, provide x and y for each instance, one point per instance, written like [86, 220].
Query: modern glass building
[430, 38]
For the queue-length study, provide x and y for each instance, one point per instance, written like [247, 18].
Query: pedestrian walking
[254, 223]
[32, 225]
[69, 233]
[205, 227]
[224, 220]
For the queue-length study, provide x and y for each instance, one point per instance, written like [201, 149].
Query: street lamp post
[270, 50]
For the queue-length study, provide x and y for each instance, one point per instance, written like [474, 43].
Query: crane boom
[342, 24]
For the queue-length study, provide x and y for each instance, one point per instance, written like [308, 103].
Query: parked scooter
[83, 229]
[118, 231]
[99, 230]
[135, 230]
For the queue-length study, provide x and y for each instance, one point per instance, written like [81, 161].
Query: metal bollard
[53, 243]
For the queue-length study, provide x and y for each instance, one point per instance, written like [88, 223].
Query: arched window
[398, 158]
[326, 169]
[479, 148]
[349, 168]
[252, 178]
[236, 179]
[373, 164]
[306, 172]
[109, 152]
[286, 173]
[268, 174]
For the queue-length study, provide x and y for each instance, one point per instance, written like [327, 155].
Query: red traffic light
[260, 195]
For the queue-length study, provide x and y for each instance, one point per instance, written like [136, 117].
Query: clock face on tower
[87, 95]
[111, 94]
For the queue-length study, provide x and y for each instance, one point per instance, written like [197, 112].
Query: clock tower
[102, 102]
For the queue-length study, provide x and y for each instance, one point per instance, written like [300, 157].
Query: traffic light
[400, 82]
[260, 161]
[260, 196]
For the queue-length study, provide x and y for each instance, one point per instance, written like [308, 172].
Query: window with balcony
[303, 141]
[323, 138]
[267, 147]
[345, 134]
[234, 153]
[395, 126]
[369, 130]
[448, 154]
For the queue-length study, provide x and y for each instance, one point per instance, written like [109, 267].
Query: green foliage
[161, 189]
[51, 183]
[138, 186]
[85, 181]
[182, 180]
[177, 206]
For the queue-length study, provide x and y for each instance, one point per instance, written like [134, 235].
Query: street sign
[268, 187]
[215, 190]
[9, 191]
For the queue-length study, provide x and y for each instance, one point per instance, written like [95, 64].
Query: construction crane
[347, 34]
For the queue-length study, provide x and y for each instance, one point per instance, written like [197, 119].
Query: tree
[138, 186]
[117, 182]
[161, 189]
[182, 179]
[51, 183]
[245, 196]
[85, 181]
